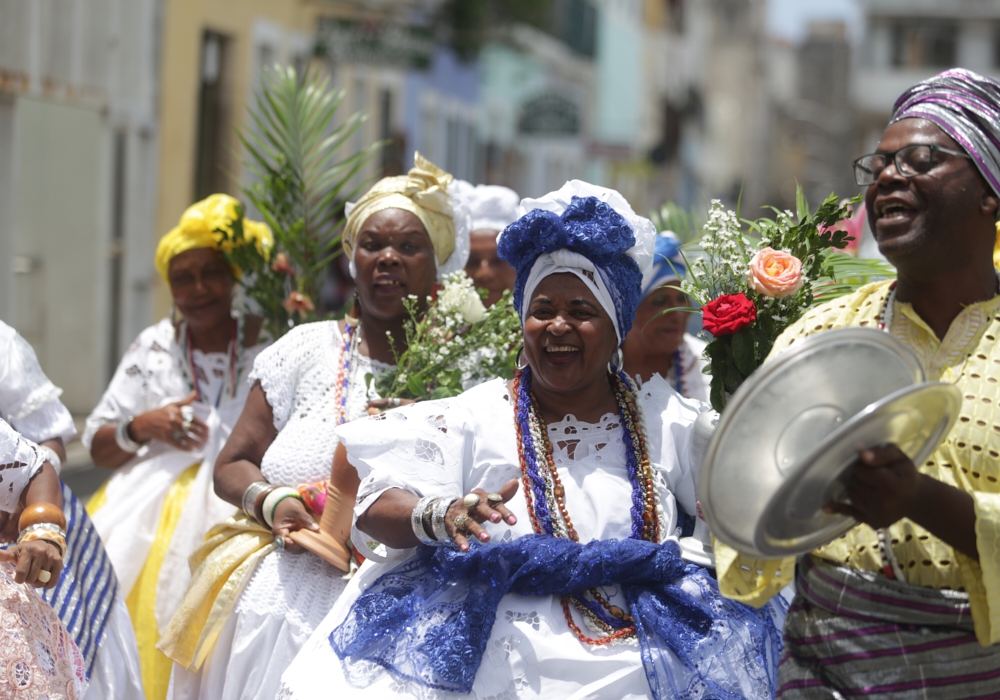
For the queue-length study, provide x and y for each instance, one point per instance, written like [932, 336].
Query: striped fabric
[88, 585]
[852, 633]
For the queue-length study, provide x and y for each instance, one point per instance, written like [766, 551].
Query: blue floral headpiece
[588, 227]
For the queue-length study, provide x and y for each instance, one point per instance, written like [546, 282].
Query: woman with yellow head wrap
[160, 425]
[256, 596]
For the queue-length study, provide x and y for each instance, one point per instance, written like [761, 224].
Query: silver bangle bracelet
[417, 521]
[441, 507]
[125, 442]
[250, 496]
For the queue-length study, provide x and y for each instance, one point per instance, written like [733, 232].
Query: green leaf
[416, 387]
[744, 352]
[801, 205]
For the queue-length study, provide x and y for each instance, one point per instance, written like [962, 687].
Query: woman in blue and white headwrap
[658, 342]
[485, 501]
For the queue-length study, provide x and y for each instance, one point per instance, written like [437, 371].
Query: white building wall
[78, 134]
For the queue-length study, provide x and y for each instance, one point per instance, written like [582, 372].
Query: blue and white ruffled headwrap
[588, 231]
[668, 263]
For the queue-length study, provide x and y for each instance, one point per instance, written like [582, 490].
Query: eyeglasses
[910, 161]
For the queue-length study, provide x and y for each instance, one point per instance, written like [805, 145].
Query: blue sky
[789, 19]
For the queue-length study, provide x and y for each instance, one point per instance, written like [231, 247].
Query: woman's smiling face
[568, 336]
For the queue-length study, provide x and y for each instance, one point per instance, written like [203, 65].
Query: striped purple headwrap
[966, 106]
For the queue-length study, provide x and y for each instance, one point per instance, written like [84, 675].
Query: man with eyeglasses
[907, 604]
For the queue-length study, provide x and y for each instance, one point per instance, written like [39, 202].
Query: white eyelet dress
[289, 594]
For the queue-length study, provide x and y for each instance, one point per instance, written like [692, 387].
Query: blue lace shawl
[429, 620]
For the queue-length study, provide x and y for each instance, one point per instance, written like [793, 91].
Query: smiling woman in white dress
[399, 237]
[166, 413]
[488, 498]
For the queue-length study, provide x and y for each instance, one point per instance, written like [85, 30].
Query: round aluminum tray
[783, 411]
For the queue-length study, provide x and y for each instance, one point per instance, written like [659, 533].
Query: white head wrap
[493, 207]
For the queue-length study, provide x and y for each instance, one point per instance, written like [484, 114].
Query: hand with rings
[376, 406]
[174, 424]
[465, 515]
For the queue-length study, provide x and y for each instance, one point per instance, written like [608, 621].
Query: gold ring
[461, 522]
[471, 500]
[494, 499]
[44, 576]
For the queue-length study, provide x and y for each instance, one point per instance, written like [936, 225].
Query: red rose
[728, 314]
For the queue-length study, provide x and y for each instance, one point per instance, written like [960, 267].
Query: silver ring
[187, 413]
[393, 403]
[178, 436]
[279, 542]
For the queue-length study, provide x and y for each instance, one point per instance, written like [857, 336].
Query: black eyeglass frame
[893, 157]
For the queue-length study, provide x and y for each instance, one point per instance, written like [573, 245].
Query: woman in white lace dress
[168, 410]
[659, 342]
[87, 597]
[399, 237]
[505, 600]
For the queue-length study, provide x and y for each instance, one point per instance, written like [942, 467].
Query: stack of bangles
[429, 516]
[261, 499]
[43, 521]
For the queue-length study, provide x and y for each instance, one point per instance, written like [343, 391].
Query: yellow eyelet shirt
[969, 458]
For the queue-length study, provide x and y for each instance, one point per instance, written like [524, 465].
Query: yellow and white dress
[155, 509]
[969, 459]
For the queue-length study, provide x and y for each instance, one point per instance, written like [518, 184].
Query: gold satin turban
[200, 227]
[423, 192]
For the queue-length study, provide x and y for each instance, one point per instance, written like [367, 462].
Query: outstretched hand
[884, 488]
[480, 514]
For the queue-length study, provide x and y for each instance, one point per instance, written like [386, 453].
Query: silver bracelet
[417, 521]
[441, 507]
[250, 496]
[125, 442]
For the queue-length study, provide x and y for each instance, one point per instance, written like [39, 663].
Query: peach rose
[775, 273]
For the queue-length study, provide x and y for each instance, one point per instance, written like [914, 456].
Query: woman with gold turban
[256, 596]
[160, 425]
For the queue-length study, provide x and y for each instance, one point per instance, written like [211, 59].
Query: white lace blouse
[28, 400]
[299, 374]
[451, 446]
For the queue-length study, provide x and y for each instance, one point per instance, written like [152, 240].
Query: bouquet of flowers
[456, 343]
[752, 285]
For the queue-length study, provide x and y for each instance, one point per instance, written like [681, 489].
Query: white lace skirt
[285, 600]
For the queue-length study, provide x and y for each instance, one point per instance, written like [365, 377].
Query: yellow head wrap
[201, 226]
[423, 192]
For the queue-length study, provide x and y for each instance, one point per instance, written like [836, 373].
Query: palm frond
[673, 217]
[844, 274]
[292, 147]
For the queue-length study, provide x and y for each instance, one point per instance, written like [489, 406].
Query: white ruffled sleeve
[28, 400]
[20, 460]
[279, 366]
[420, 448]
[670, 422]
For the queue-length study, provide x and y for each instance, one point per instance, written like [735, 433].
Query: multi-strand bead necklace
[348, 354]
[546, 496]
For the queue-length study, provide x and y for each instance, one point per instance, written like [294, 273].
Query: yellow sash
[222, 567]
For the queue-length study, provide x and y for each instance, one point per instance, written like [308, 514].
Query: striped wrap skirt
[852, 633]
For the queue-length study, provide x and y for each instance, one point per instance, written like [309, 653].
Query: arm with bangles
[41, 545]
[401, 520]
[239, 481]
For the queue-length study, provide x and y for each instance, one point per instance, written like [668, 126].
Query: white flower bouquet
[455, 344]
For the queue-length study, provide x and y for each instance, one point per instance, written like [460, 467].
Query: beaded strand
[545, 494]
[347, 353]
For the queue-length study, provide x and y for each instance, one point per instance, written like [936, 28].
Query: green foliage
[673, 217]
[292, 148]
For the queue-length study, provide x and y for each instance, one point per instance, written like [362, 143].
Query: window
[924, 43]
[214, 127]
